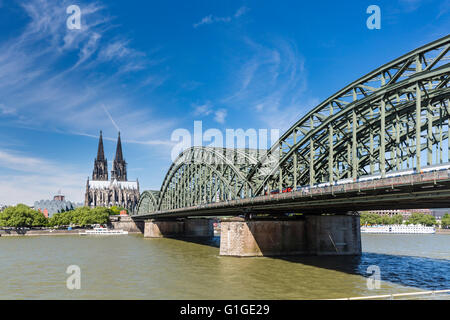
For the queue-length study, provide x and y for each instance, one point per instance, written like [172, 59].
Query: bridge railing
[433, 294]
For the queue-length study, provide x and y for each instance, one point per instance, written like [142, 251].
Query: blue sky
[147, 68]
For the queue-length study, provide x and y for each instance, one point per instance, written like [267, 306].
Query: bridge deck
[422, 190]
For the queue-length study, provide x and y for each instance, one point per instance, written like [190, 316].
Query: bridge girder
[148, 202]
[374, 125]
[327, 144]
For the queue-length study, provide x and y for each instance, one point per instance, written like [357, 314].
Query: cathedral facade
[102, 192]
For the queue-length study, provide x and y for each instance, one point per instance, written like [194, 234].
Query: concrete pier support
[333, 235]
[193, 228]
[126, 223]
[314, 235]
[162, 229]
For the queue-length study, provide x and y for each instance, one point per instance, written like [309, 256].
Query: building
[57, 205]
[101, 192]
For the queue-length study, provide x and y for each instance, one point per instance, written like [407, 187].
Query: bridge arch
[351, 134]
[395, 117]
[148, 202]
[202, 175]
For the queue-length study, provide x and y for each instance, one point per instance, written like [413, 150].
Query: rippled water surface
[131, 267]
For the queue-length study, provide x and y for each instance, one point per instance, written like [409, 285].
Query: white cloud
[273, 81]
[203, 109]
[70, 99]
[213, 19]
[5, 110]
[241, 11]
[36, 178]
[220, 115]
[207, 109]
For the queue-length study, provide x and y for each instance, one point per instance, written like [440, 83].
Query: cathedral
[102, 192]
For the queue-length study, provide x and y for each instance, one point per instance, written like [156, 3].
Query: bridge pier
[314, 235]
[195, 228]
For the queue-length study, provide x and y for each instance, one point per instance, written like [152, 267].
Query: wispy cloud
[410, 5]
[204, 109]
[220, 115]
[272, 82]
[214, 19]
[38, 86]
[207, 109]
[73, 82]
[36, 178]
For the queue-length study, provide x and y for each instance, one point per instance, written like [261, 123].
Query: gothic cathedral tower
[100, 172]
[119, 171]
[119, 191]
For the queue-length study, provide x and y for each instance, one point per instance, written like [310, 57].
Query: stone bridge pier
[306, 235]
[312, 235]
[195, 228]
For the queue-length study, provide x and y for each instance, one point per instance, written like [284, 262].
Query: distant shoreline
[35, 233]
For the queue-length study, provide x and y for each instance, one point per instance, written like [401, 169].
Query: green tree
[116, 210]
[445, 222]
[21, 216]
[421, 218]
[397, 219]
[82, 217]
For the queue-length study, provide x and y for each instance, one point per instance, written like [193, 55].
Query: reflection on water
[131, 267]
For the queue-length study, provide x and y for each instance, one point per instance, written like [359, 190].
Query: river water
[131, 267]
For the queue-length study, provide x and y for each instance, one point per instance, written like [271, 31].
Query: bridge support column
[314, 235]
[191, 228]
[333, 235]
[162, 229]
[262, 238]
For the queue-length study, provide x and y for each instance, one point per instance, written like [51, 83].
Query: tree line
[22, 216]
[415, 218]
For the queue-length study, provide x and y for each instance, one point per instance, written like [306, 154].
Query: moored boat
[399, 229]
[103, 231]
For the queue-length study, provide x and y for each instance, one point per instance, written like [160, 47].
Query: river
[132, 267]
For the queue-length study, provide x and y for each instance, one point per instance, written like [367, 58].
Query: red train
[278, 191]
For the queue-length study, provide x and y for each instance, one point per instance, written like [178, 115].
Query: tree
[82, 217]
[445, 222]
[421, 218]
[116, 210]
[21, 216]
[397, 219]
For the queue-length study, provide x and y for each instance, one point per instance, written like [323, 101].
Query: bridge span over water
[380, 142]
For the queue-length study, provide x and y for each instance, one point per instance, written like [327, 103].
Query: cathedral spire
[119, 171]
[119, 155]
[100, 172]
[100, 152]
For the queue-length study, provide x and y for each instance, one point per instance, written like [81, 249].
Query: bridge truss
[394, 118]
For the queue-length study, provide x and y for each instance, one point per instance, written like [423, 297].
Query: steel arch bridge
[394, 118]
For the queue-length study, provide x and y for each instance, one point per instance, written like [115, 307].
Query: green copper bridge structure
[381, 142]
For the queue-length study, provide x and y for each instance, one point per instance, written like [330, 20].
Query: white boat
[399, 229]
[102, 231]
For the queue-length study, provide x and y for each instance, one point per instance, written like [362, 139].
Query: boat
[399, 229]
[102, 231]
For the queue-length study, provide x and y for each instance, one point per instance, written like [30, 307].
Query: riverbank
[443, 231]
[50, 232]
